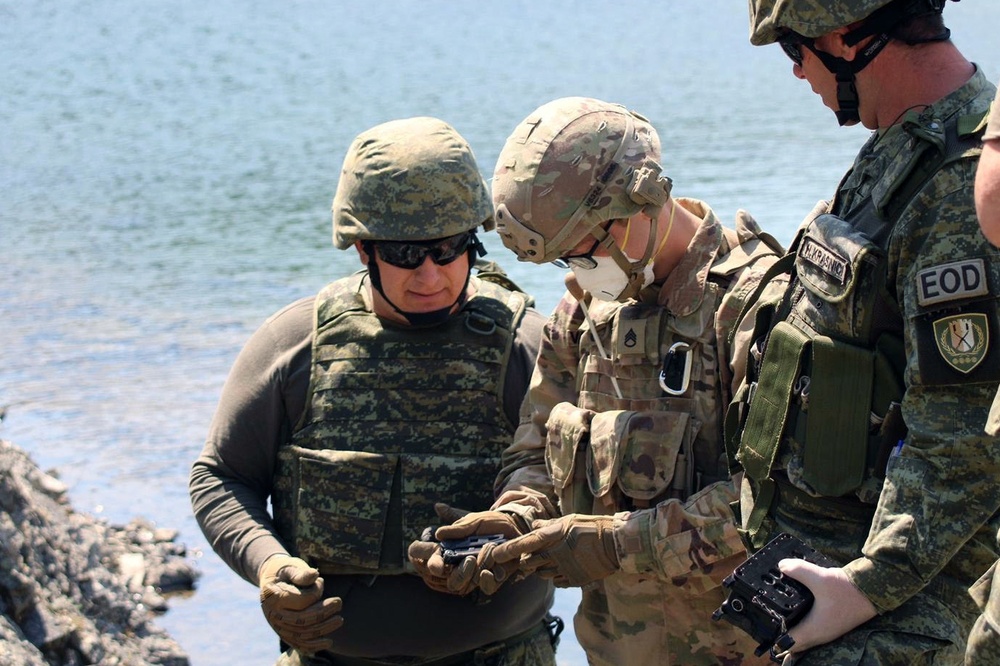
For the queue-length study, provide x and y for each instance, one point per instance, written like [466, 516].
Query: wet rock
[75, 590]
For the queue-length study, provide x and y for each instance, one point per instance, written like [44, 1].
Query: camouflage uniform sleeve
[941, 489]
[523, 485]
[993, 125]
[675, 539]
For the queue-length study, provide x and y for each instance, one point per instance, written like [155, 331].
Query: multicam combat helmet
[409, 180]
[573, 164]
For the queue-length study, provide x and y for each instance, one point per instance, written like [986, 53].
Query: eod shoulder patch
[951, 282]
[954, 336]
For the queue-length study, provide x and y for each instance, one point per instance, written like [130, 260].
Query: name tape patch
[824, 259]
[952, 282]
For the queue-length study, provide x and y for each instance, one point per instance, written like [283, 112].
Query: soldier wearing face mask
[617, 478]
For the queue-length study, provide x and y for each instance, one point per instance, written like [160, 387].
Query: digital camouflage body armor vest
[396, 419]
[834, 359]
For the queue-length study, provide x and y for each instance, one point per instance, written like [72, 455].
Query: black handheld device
[454, 551]
[765, 603]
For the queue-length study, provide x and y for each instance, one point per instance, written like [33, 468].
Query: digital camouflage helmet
[770, 19]
[570, 166]
[802, 21]
[413, 179]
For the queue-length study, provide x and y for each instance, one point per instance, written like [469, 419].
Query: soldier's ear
[833, 43]
[361, 252]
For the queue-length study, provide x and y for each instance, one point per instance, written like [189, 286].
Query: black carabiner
[676, 372]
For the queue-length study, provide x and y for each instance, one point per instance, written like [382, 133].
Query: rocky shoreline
[75, 590]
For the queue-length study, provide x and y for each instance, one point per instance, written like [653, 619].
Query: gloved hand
[573, 550]
[463, 578]
[291, 597]
[462, 523]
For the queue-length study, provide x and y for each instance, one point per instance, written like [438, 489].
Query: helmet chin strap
[848, 104]
[652, 190]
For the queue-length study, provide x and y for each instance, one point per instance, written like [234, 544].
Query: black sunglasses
[583, 261]
[410, 255]
[792, 43]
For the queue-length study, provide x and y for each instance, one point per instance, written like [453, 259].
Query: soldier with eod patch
[860, 428]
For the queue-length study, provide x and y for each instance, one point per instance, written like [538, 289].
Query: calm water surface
[166, 171]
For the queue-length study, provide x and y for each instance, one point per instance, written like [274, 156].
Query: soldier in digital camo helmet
[860, 428]
[617, 474]
[357, 410]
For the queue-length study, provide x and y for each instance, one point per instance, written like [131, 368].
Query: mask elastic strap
[670, 225]
[635, 270]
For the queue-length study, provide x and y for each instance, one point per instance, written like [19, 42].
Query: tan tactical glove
[573, 550]
[464, 524]
[463, 578]
[291, 596]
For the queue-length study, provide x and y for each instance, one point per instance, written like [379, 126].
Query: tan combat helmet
[414, 179]
[570, 166]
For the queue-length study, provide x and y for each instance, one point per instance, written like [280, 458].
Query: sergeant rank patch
[962, 340]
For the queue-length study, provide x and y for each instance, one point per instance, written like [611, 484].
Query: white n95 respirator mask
[606, 281]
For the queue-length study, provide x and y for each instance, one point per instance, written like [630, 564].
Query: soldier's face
[426, 288]
[824, 82]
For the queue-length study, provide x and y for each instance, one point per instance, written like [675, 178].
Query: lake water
[166, 171]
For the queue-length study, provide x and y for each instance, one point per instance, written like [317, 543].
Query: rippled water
[166, 171]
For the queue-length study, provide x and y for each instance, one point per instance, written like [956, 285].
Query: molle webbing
[850, 382]
[367, 373]
[766, 421]
[396, 418]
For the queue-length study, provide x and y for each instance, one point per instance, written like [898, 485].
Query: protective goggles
[410, 255]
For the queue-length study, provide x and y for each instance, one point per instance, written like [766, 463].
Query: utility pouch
[567, 439]
[836, 442]
[765, 424]
[342, 493]
[643, 454]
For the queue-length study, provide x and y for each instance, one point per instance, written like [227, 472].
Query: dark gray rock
[75, 590]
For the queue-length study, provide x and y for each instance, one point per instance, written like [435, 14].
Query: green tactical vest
[396, 419]
[833, 354]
